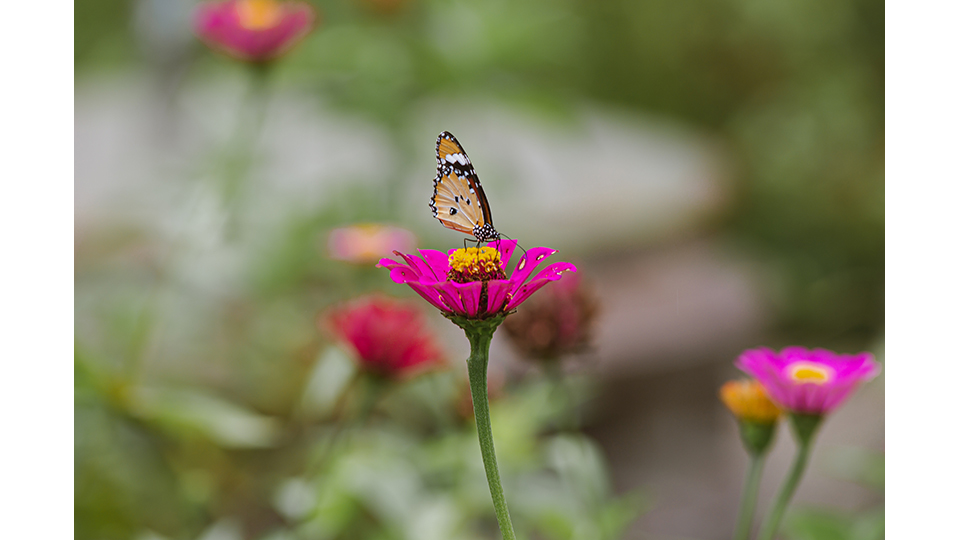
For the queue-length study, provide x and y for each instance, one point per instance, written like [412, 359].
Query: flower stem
[242, 150]
[480, 336]
[748, 501]
[804, 427]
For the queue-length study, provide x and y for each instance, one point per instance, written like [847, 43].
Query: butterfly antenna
[508, 238]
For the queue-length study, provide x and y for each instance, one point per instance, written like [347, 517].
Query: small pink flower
[367, 243]
[813, 382]
[253, 30]
[389, 337]
[472, 282]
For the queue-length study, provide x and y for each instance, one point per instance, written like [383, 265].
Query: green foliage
[208, 401]
[832, 525]
[858, 465]
[347, 458]
[101, 33]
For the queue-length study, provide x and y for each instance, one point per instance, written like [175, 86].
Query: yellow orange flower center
[475, 264]
[748, 400]
[259, 14]
[809, 372]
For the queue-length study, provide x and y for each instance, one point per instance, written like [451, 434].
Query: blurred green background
[714, 168]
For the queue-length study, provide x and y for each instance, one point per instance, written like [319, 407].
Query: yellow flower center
[259, 14]
[475, 264]
[748, 400]
[809, 372]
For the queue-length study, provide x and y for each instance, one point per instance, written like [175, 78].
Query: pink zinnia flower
[472, 282]
[812, 382]
[389, 337]
[253, 30]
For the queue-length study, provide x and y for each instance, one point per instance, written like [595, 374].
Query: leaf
[328, 379]
[222, 421]
[809, 524]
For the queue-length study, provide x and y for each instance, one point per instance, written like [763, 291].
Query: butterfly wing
[458, 200]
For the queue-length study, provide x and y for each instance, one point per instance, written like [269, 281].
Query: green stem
[242, 149]
[748, 501]
[376, 387]
[371, 395]
[565, 392]
[480, 336]
[804, 427]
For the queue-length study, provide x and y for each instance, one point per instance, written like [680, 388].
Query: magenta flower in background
[253, 30]
[390, 338]
[472, 282]
[812, 382]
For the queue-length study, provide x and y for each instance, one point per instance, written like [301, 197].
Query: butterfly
[458, 200]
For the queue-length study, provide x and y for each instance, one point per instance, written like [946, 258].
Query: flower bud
[757, 415]
[557, 322]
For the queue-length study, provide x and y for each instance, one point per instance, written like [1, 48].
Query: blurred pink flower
[367, 243]
[472, 282]
[813, 382]
[557, 322]
[389, 337]
[253, 30]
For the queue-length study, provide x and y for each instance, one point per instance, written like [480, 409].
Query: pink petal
[555, 270]
[497, 291]
[430, 294]
[450, 298]
[505, 247]
[836, 397]
[469, 295]
[419, 265]
[439, 263]
[389, 263]
[404, 274]
[528, 263]
[550, 273]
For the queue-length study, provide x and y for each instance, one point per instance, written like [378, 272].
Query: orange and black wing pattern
[458, 200]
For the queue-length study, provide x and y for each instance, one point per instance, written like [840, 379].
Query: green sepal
[757, 436]
[476, 328]
[805, 426]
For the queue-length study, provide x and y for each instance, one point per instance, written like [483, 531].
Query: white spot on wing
[457, 158]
